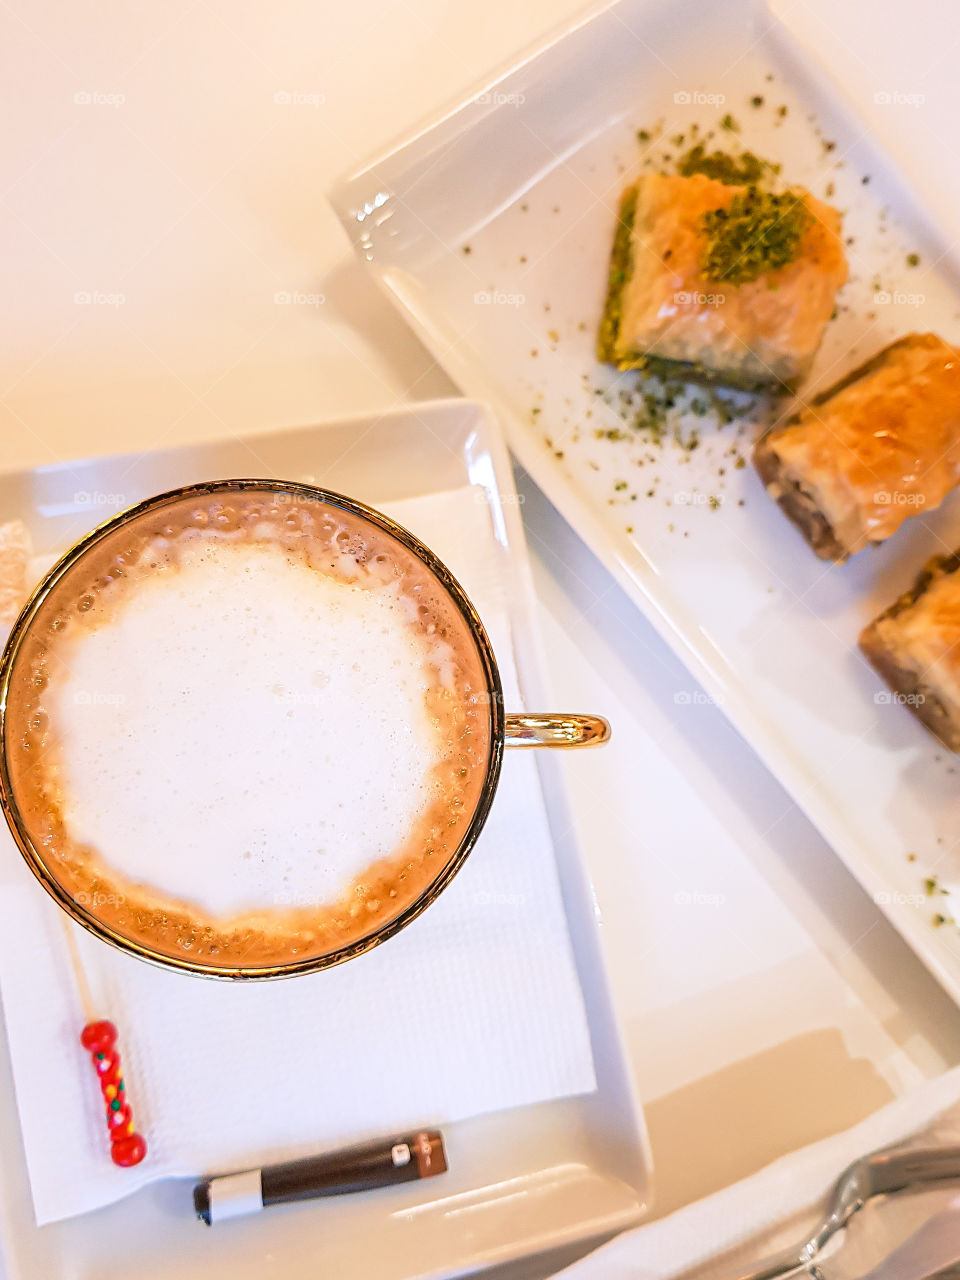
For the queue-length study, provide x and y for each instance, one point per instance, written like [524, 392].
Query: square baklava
[877, 448]
[720, 282]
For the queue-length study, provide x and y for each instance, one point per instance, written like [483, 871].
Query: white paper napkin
[730, 1233]
[474, 1008]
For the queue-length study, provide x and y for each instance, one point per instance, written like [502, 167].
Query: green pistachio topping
[733, 171]
[758, 232]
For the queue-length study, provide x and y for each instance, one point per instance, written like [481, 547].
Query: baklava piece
[877, 448]
[15, 552]
[719, 282]
[915, 646]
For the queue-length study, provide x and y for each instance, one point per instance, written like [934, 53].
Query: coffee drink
[253, 728]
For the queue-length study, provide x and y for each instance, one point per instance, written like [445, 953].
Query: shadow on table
[739, 1119]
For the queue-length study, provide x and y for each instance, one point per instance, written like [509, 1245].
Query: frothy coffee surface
[187, 704]
[255, 729]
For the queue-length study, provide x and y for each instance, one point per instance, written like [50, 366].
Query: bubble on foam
[340, 763]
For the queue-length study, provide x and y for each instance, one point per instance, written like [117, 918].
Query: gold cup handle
[554, 729]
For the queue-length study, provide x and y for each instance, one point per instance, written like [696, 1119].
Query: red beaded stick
[127, 1147]
[99, 1038]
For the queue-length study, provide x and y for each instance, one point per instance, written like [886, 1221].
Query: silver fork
[880, 1174]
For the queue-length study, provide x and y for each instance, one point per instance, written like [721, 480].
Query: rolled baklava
[720, 283]
[915, 646]
[880, 446]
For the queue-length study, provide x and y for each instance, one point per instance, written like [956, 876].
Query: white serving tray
[521, 1182]
[491, 227]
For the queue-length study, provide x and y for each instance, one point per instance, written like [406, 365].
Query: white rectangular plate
[492, 226]
[525, 1180]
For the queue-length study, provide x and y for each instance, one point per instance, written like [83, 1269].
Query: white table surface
[147, 164]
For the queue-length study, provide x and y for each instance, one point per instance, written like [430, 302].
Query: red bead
[99, 1037]
[116, 1120]
[111, 1077]
[128, 1151]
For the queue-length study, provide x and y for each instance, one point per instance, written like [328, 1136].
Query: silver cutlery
[880, 1174]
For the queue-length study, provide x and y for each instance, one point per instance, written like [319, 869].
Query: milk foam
[246, 733]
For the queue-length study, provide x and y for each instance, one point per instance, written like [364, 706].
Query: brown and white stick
[99, 1038]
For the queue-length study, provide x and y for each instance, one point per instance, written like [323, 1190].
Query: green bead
[120, 1086]
[115, 1104]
